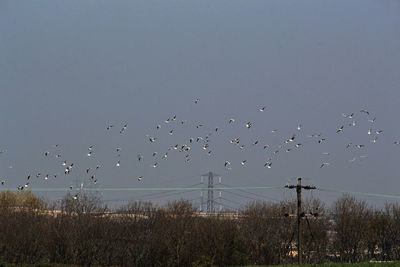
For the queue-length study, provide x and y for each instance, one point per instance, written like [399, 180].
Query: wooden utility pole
[300, 213]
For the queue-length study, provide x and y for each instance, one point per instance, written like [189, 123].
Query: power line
[144, 188]
[360, 193]
[164, 192]
[255, 194]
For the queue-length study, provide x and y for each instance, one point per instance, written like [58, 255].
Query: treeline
[82, 231]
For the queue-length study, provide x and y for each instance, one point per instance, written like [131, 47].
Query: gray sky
[70, 68]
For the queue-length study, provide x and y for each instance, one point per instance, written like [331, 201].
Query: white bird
[325, 164]
[274, 131]
[118, 163]
[349, 145]
[155, 165]
[350, 116]
[268, 165]
[89, 153]
[375, 139]
[359, 146]
[353, 159]
[227, 163]
[123, 128]
[231, 120]
[353, 123]
[340, 129]
[46, 177]
[58, 156]
[140, 178]
[396, 142]
[369, 131]
[262, 109]
[372, 121]
[321, 140]
[364, 111]
[90, 148]
[255, 143]
[379, 132]
[171, 132]
[139, 157]
[196, 101]
[243, 162]
[299, 127]
[165, 155]
[248, 125]
[298, 145]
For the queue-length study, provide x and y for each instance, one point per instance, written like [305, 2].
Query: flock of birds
[194, 143]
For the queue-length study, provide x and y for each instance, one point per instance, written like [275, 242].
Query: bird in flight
[340, 129]
[350, 116]
[364, 111]
[123, 128]
[325, 164]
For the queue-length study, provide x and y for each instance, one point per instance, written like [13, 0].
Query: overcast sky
[68, 69]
